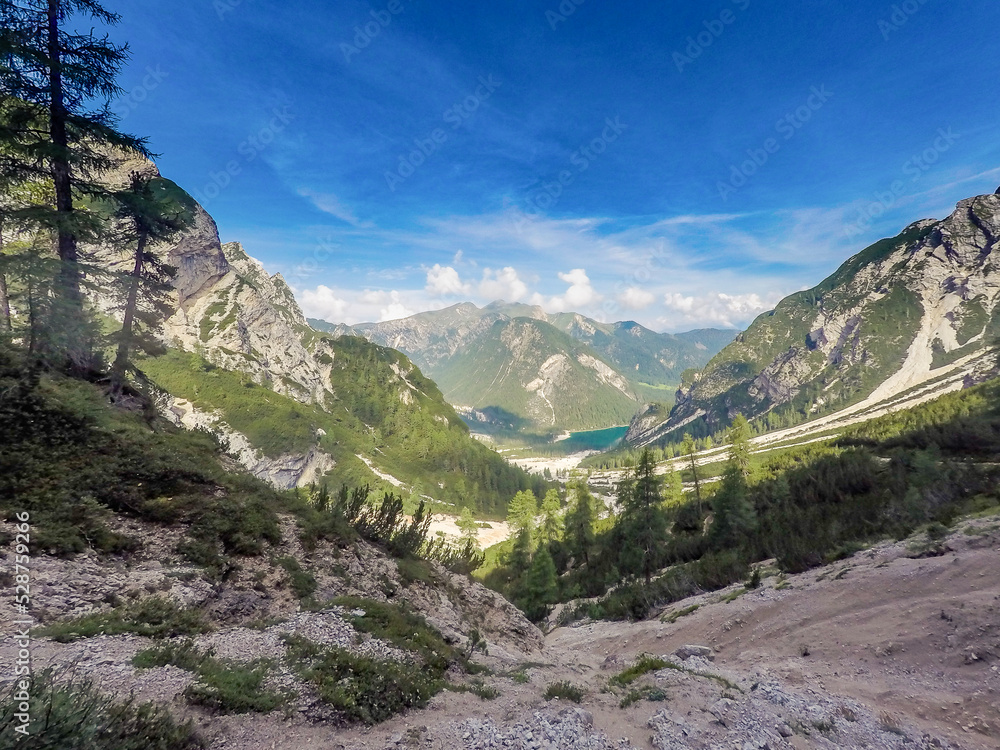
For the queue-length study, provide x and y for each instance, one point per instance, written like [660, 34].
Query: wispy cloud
[331, 204]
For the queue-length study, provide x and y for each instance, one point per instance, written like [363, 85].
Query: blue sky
[679, 164]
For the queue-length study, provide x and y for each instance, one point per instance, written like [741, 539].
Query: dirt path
[883, 650]
[901, 653]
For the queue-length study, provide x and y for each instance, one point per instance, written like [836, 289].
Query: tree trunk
[697, 484]
[125, 342]
[68, 281]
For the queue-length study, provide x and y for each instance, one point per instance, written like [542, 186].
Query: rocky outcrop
[649, 418]
[284, 472]
[904, 312]
[229, 307]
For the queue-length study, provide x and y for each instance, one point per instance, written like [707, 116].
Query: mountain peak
[918, 309]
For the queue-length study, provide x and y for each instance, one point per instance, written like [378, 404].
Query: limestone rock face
[907, 311]
[284, 472]
[247, 319]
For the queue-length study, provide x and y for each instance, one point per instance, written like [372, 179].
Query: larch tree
[689, 451]
[541, 586]
[467, 525]
[578, 535]
[551, 524]
[521, 513]
[56, 87]
[643, 522]
[147, 216]
[734, 515]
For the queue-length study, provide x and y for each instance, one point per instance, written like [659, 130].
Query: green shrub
[415, 570]
[363, 688]
[644, 665]
[403, 629]
[302, 581]
[637, 694]
[233, 688]
[184, 655]
[563, 690]
[153, 617]
[73, 715]
[222, 685]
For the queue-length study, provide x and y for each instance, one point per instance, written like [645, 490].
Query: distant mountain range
[912, 315]
[514, 366]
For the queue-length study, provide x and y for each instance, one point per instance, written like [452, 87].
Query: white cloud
[444, 280]
[331, 204]
[579, 296]
[396, 309]
[323, 303]
[635, 298]
[718, 308]
[503, 284]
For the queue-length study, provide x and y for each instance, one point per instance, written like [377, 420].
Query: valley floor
[886, 649]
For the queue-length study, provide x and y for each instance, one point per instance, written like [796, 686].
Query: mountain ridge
[613, 366]
[904, 311]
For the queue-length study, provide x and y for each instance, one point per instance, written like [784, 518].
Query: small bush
[676, 615]
[234, 688]
[637, 694]
[75, 716]
[183, 655]
[153, 617]
[644, 665]
[414, 570]
[302, 581]
[563, 690]
[223, 685]
[364, 689]
[477, 687]
[402, 628]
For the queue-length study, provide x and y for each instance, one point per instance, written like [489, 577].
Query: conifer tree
[519, 559]
[579, 535]
[541, 587]
[551, 525]
[147, 217]
[521, 513]
[643, 523]
[65, 80]
[689, 450]
[734, 514]
[467, 525]
[740, 447]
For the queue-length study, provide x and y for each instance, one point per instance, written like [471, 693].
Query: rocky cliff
[912, 310]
